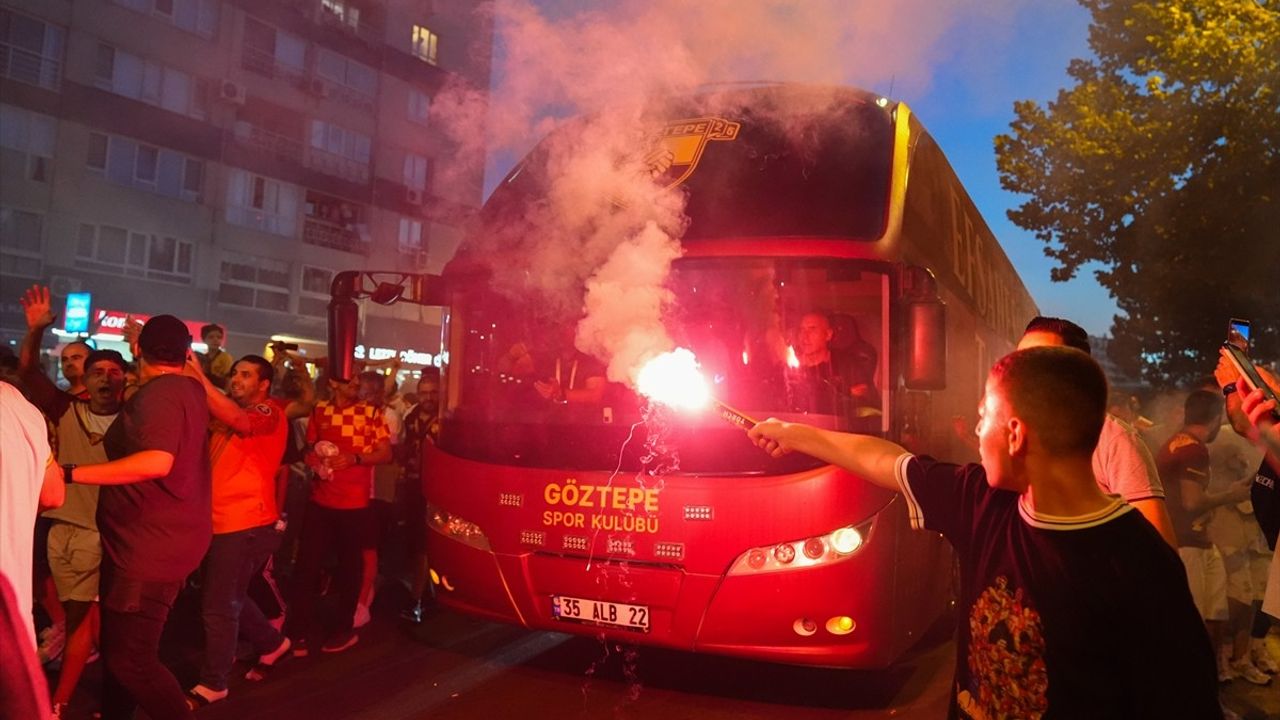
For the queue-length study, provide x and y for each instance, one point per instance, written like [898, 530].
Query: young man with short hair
[247, 440]
[1121, 463]
[214, 361]
[1185, 466]
[338, 520]
[1072, 606]
[154, 519]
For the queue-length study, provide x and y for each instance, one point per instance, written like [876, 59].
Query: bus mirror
[926, 362]
[386, 293]
[344, 317]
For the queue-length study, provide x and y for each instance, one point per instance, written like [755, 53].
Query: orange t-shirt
[356, 428]
[244, 469]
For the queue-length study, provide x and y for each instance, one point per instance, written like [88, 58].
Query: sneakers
[1262, 657]
[200, 696]
[362, 616]
[52, 640]
[1225, 673]
[413, 613]
[1247, 672]
[340, 642]
[300, 649]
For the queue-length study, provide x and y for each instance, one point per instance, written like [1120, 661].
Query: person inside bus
[1073, 605]
[831, 380]
[567, 375]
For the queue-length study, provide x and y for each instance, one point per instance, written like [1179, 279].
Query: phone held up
[1235, 349]
[1238, 333]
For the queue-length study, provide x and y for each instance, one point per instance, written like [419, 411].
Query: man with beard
[37, 305]
[74, 548]
[247, 441]
[1184, 464]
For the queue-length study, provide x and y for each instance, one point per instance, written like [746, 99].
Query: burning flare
[793, 362]
[673, 379]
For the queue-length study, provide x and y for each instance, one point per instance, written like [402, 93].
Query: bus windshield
[776, 337]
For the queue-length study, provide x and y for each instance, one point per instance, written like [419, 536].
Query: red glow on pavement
[673, 378]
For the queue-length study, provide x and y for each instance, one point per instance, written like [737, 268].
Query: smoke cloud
[598, 246]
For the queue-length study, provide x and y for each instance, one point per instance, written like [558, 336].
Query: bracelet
[67, 471]
[358, 461]
[1228, 389]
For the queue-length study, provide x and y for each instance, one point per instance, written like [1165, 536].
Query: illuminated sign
[116, 319]
[408, 357]
[637, 504]
[77, 312]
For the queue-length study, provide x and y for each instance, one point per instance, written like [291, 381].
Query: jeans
[228, 612]
[325, 532]
[133, 617]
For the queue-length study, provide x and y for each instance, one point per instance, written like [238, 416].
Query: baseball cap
[165, 339]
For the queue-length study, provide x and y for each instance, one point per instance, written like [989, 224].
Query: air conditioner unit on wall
[231, 91]
[413, 196]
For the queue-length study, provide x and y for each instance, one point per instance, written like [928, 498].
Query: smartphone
[1238, 333]
[1249, 374]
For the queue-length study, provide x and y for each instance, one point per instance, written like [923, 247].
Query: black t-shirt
[1266, 501]
[158, 530]
[1063, 617]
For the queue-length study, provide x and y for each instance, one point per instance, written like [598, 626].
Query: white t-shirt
[24, 452]
[1123, 464]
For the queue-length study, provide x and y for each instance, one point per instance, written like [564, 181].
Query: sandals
[263, 667]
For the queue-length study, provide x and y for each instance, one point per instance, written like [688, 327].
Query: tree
[1161, 163]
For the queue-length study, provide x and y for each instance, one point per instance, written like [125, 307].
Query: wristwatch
[358, 460]
[66, 472]
[1228, 389]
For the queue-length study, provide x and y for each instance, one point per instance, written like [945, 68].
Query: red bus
[801, 202]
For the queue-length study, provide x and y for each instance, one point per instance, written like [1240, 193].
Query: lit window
[425, 44]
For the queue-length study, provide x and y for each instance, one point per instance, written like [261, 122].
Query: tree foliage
[1161, 163]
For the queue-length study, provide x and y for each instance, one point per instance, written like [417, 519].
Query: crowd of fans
[1123, 548]
[172, 471]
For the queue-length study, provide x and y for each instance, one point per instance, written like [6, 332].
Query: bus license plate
[599, 612]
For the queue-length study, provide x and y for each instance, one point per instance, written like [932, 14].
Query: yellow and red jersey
[356, 429]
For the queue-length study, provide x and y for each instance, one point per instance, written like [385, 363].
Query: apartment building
[220, 160]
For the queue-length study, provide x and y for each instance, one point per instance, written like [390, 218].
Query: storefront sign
[76, 315]
[408, 357]
[114, 321]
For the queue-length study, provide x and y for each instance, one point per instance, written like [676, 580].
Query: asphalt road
[457, 668]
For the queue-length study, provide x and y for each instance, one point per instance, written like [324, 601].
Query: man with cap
[74, 549]
[154, 517]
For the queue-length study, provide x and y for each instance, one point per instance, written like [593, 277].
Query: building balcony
[275, 145]
[30, 68]
[336, 165]
[263, 62]
[339, 237]
[361, 24]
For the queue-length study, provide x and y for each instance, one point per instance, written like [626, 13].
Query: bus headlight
[456, 528]
[798, 554]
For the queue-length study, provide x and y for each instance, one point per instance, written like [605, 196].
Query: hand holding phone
[1249, 375]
